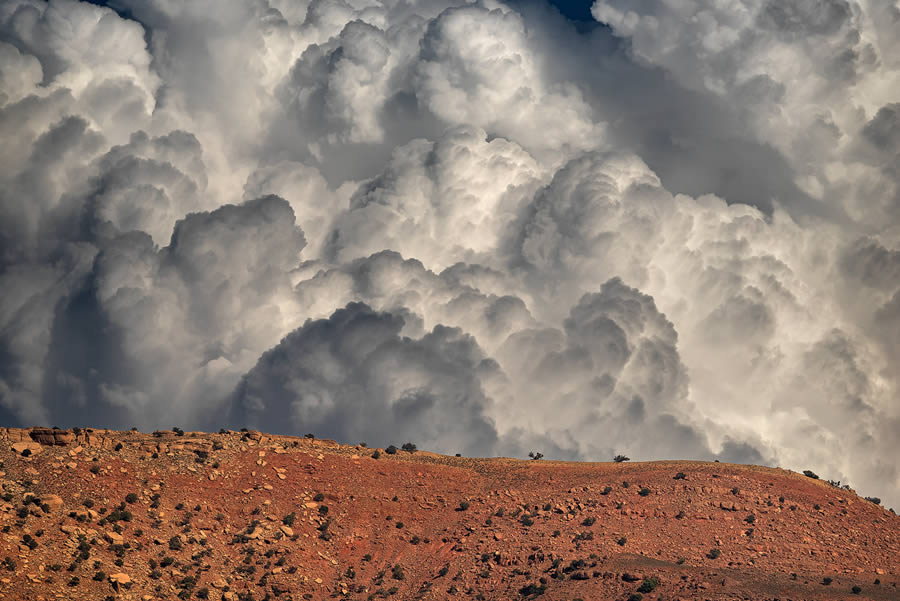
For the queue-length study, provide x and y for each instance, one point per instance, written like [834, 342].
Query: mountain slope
[250, 516]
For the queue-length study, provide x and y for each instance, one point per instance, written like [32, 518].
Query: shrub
[288, 520]
[750, 519]
[409, 447]
[714, 553]
[826, 581]
[532, 590]
[644, 492]
[100, 576]
[620, 458]
[621, 542]
[376, 454]
[589, 521]
[131, 497]
[679, 476]
[391, 450]
[463, 505]
[856, 590]
[319, 497]
[810, 474]
[119, 446]
[535, 455]
[875, 500]
[648, 585]
[95, 469]
[397, 573]
[635, 597]
[175, 544]
[310, 436]
[606, 490]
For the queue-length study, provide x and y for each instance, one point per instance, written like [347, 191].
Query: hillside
[98, 514]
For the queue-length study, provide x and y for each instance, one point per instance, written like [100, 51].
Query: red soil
[421, 526]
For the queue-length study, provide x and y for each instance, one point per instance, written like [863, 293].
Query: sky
[667, 230]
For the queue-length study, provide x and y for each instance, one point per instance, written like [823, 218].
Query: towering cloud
[471, 225]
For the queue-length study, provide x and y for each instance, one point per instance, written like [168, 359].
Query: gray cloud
[478, 227]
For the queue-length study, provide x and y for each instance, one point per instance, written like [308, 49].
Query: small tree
[535, 455]
[810, 474]
[409, 447]
[620, 458]
[391, 450]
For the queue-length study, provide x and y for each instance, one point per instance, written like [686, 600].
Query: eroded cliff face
[100, 514]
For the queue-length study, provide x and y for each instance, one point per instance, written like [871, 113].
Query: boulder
[119, 579]
[54, 501]
[21, 447]
[51, 437]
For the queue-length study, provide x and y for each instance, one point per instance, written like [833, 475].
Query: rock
[288, 531]
[50, 437]
[119, 579]
[219, 583]
[115, 538]
[21, 447]
[54, 501]
[229, 596]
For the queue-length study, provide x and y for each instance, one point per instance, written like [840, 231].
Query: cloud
[352, 376]
[476, 226]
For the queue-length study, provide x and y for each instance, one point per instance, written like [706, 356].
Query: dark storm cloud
[352, 376]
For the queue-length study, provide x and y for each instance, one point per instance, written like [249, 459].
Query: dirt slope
[238, 516]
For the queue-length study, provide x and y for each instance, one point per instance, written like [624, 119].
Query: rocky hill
[97, 514]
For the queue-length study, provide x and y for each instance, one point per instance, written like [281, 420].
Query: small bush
[397, 573]
[856, 590]
[409, 447]
[463, 505]
[620, 458]
[810, 474]
[621, 542]
[288, 520]
[680, 476]
[119, 446]
[875, 500]
[95, 469]
[175, 544]
[714, 553]
[826, 581]
[376, 454]
[319, 497]
[606, 490]
[535, 455]
[589, 521]
[750, 519]
[644, 492]
[391, 450]
[648, 585]
[131, 498]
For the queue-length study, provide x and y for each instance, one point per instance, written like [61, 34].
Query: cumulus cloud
[472, 225]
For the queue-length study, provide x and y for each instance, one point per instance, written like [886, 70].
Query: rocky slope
[96, 514]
